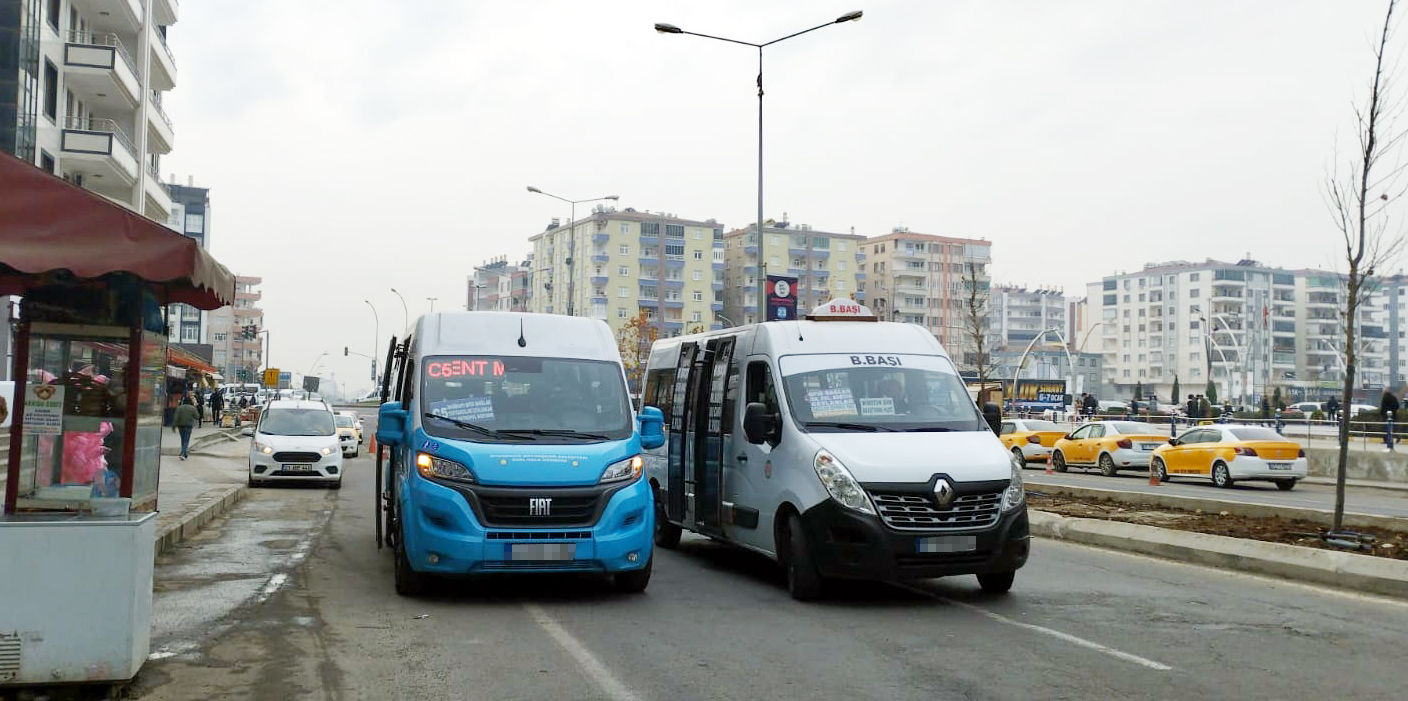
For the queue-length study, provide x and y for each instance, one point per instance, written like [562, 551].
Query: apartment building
[826, 265]
[238, 359]
[920, 279]
[1249, 328]
[81, 93]
[190, 215]
[1019, 314]
[614, 265]
[499, 285]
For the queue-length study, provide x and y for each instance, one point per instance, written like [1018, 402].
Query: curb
[1236, 508]
[171, 534]
[1358, 484]
[1364, 573]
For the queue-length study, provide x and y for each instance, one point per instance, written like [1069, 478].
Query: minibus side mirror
[993, 413]
[391, 424]
[652, 427]
[759, 424]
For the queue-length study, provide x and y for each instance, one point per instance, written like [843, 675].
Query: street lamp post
[571, 240]
[1023, 360]
[672, 29]
[315, 363]
[475, 299]
[432, 303]
[376, 335]
[405, 314]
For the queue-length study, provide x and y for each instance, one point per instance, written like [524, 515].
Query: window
[698, 275]
[624, 292]
[53, 14]
[674, 252]
[620, 312]
[698, 234]
[623, 270]
[695, 316]
[221, 336]
[625, 228]
[1126, 299]
[650, 228]
[674, 231]
[625, 249]
[51, 90]
[190, 333]
[699, 254]
[195, 223]
[1193, 277]
[46, 162]
[840, 265]
[698, 296]
[1194, 293]
[841, 245]
[840, 284]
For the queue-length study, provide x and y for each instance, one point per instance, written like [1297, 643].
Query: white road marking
[593, 667]
[1075, 640]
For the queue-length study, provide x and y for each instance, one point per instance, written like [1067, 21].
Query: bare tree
[1358, 203]
[977, 312]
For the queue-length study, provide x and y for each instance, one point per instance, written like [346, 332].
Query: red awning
[179, 356]
[48, 224]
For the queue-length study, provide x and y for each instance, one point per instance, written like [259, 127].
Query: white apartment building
[1020, 314]
[826, 265]
[237, 358]
[87, 102]
[919, 279]
[1249, 328]
[616, 265]
[499, 286]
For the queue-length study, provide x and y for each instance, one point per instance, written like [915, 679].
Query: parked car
[1030, 439]
[1227, 454]
[347, 435]
[1109, 445]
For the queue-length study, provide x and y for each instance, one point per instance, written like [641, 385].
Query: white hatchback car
[295, 441]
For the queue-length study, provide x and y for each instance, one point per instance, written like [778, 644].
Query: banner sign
[782, 298]
[43, 410]
[1037, 394]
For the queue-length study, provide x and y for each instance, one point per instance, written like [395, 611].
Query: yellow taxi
[1108, 445]
[1030, 439]
[1229, 454]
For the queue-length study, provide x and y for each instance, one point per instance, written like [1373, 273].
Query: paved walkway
[194, 491]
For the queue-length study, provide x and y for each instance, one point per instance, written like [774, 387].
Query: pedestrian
[1204, 407]
[185, 420]
[217, 404]
[1265, 408]
[1388, 406]
[200, 408]
[1192, 407]
[1332, 409]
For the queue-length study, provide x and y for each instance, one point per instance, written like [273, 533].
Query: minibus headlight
[431, 466]
[840, 484]
[623, 471]
[1016, 492]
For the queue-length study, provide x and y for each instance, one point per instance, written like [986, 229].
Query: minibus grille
[920, 512]
[516, 510]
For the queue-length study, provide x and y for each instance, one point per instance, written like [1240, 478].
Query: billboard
[782, 298]
[1037, 394]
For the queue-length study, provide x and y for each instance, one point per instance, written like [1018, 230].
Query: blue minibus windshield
[516, 399]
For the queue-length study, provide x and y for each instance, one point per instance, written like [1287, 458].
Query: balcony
[112, 15]
[102, 153]
[160, 136]
[165, 12]
[163, 75]
[601, 237]
[98, 69]
[158, 198]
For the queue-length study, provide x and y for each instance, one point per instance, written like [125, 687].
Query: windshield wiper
[928, 429]
[848, 426]
[482, 430]
[553, 432]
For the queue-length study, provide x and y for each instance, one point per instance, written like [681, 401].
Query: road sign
[271, 377]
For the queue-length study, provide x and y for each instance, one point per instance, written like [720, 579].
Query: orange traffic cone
[1049, 469]
[1153, 476]
[372, 447]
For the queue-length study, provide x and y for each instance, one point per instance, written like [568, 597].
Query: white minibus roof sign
[842, 310]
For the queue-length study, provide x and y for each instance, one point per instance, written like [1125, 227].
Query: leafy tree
[634, 341]
[1211, 392]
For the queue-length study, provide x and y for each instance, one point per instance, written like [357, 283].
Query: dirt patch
[1384, 543]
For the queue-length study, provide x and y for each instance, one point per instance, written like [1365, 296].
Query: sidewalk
[1363, 484]
[200, 438]
[195, 491]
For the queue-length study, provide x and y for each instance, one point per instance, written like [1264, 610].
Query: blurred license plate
[298, 468]
[1278, 465]
[947, 544]
[542, 551]
[1148, 446]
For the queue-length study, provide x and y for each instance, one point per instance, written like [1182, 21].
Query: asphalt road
[288, 597]
[1380, 502]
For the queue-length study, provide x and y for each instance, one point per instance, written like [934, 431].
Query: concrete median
[1341, 570]
[1235, 508]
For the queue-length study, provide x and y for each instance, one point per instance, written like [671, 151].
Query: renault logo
[944, 492]
[540, 506]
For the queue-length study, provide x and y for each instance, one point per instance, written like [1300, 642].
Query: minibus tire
[804, 581]
[408, 581]
[633, 581]
[997, 582]
[667, 535]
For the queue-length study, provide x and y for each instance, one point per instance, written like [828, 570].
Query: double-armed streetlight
[571, 237]
[1069, 361]
[672, 29]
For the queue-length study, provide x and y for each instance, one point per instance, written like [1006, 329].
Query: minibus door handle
[742, 457]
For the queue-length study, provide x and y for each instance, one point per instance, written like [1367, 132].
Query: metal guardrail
[100, 125]
[106, 39]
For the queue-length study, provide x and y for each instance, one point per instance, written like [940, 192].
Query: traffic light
[344, 351]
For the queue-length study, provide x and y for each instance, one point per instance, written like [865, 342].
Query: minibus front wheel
[408, 581]
[634, 581]
[667, 535]
[804, 580]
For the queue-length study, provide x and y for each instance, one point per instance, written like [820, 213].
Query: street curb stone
[212, 506]
[203, 441]
[1235, 508]
[1342, 570]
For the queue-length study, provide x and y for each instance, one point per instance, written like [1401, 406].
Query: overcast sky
[357, 145]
